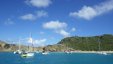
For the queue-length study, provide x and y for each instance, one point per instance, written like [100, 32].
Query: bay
[57, 58]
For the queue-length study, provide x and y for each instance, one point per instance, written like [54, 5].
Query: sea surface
[56, 58]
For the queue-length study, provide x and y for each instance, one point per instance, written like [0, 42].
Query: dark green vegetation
[96, 43]
[93, 43]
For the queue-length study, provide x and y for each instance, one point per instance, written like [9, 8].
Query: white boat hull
[29, 54]
[104, 53]
[45, 53]
[17, 52]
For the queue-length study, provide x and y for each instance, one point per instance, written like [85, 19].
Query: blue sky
[49, 21]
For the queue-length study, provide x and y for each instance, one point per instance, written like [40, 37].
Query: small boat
[45, 53]
[100, 52]
[103, 53]
[67, 52]
[18, 52]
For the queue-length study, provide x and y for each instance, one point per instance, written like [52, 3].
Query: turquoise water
[56, 58]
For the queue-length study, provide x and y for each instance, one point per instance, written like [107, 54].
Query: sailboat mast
[32, 46]
[19, 44]
[99, 44]
[32, 42]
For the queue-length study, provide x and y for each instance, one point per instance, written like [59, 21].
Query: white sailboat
[100, 52]
[103, 53]
[18, 51]
[28, 53]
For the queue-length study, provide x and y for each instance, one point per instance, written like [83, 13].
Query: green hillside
[96, 43]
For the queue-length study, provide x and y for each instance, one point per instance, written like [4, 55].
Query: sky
[49, 21]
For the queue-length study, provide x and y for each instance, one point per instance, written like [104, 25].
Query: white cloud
[63, 33]
[39, 3]
[85, 12]
[30, 40]
[88, 12]
[55, 25]
[9, 22]
[37, 42]
[28, 17]
[58, 27]
[37, 15]
[40, 42]
[73, 29]
[42, 14]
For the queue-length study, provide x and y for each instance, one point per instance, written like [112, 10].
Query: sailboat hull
[29, 54]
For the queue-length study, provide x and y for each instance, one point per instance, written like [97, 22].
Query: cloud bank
[88, 12]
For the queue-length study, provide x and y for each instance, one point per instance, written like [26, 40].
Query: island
[75, 44]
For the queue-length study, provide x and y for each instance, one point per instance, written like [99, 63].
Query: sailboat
[100, 52]
[44, 52]
[28, 53]
[18, 51]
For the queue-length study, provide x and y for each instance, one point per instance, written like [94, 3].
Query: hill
[4, 46]
[96, 43]
[92, 43]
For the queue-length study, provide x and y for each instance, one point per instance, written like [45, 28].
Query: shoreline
[75, 51]
[91, 51]
[86, 52]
